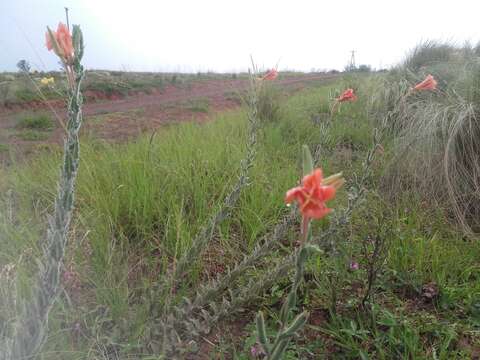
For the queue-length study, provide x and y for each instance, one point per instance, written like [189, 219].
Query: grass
[234, 96]
[435, 133]
[199, 105]
[34, 127]
[35, 122]
[140, 204]
[32, 135]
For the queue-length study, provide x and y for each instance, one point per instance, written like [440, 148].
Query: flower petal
[294, 194]
[328, 192]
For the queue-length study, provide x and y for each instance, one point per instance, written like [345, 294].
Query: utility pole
[352, 65]
[66, 14]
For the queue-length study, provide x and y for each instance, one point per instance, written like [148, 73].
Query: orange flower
[60, 42]
[428, 84]
[270, 75]
[347, 95]
[313, 193]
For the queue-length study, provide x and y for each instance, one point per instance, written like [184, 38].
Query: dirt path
[119, 120]
[172, 94]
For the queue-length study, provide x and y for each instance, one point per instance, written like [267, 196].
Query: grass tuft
[35, 122]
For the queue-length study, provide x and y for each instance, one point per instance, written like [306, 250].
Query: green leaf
[279, 350]
[77, 39]
[53, 41]
[307, 161]
[303, 256]
[313, 249]
[262, 333]
[295, 326]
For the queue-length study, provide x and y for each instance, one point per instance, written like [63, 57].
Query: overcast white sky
[194, 35]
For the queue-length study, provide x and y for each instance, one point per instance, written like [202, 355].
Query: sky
[211, 35]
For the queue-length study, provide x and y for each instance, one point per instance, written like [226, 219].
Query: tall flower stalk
[203, 237]
[166, 319]
[311, 197]
[30, 329]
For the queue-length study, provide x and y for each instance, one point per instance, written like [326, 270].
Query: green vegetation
[17, 88]
[395, 279]
[200, 105]
[32, 135]
[435, 134]
[269, 109]
[234, 96]
[34, 127]
[35, 122]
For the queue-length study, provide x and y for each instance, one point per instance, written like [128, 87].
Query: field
[116, 115]
[180, 234]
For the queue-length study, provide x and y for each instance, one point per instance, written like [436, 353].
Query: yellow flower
[47, 81]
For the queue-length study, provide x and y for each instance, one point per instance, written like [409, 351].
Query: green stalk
[30, 329]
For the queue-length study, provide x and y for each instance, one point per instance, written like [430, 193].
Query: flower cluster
[47, 81]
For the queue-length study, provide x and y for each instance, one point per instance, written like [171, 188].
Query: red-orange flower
[270, 75]
[348, 95]
[60, 42]
[428, 84]
[312, 195]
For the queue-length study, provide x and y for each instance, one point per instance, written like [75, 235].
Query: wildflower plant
[170, 319]
[347, 96]
[29, 330]
[225, 295]
[311, 197]
[202, 239]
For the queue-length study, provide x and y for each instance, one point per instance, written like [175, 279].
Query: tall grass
[436, 149]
